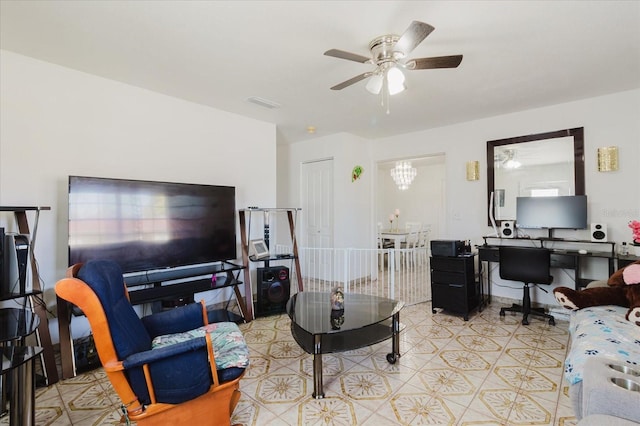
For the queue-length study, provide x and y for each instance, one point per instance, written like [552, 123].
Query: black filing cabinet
[453, 284]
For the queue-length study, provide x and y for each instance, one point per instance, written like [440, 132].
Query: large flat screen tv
[561, 212]
[146, 225]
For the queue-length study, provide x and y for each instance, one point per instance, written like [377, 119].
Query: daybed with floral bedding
[601, 340]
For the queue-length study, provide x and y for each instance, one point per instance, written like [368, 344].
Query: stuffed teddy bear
[623, 290]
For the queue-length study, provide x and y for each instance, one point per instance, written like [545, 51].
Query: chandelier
[403, 174]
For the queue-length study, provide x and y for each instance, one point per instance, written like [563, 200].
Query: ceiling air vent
[266, 103]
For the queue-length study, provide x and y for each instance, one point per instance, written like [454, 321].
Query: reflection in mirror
[540, 168]
[547, 164]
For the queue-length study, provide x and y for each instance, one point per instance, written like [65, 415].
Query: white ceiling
[517, 55]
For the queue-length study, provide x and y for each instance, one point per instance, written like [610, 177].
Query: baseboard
[560, 313]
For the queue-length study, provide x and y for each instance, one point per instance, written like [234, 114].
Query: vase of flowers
[635, 229]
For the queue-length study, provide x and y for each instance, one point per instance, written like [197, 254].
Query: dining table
[398, 236]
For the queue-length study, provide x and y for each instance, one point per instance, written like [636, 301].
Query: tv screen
[561, 212]
[146, 225]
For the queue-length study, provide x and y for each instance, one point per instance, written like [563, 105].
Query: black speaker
[15, 257]
[273, 290]
[86, 354]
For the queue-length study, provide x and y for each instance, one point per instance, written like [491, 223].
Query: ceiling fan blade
[352, 81]
[435, 62]
[341, 54]
[412, 37]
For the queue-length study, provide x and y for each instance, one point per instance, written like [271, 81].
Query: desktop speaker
[598, 232]
[508, 229]
[274, 289]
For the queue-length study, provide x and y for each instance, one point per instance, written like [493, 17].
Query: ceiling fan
[389, 55]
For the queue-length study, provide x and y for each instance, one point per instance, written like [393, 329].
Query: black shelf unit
[33, 298]
[454, 286]
[246, 216]
[12, 296]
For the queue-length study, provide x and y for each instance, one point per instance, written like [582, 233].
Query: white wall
[613, 197]
[56, 122]
[353, 208]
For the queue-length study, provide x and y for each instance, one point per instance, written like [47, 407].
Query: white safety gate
[397, 274]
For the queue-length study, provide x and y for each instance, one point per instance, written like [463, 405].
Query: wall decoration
[473, 170]
[356, 173]
[608, 159]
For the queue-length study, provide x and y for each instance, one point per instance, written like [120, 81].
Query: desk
[560, 258]
[19, 361]
[624, 260]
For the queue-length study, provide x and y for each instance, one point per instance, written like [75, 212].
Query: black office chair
[530, 266]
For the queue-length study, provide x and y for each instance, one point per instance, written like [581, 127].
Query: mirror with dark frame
[544, 164]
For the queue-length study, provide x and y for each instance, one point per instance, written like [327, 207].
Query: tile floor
[487, 371]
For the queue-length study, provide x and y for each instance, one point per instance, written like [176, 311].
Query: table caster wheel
[552, 321]
[392, 358]
[502, 313]
[433, 311]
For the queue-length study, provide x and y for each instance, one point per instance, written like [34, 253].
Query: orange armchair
[167, 368]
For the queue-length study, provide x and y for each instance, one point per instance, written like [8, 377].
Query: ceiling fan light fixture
[510, 161]
[395, 81]
[374, 85]
[512, 164]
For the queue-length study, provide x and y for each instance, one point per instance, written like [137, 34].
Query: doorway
[316, 195]
[424, 201]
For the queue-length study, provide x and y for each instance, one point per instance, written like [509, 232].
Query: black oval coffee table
[364, 321]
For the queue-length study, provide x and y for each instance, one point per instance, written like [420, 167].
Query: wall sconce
[608, 159]
[473, 170]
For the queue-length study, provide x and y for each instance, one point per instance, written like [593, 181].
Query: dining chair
[413, 226]
[383, 246]
[409, 249]
[422, 246]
